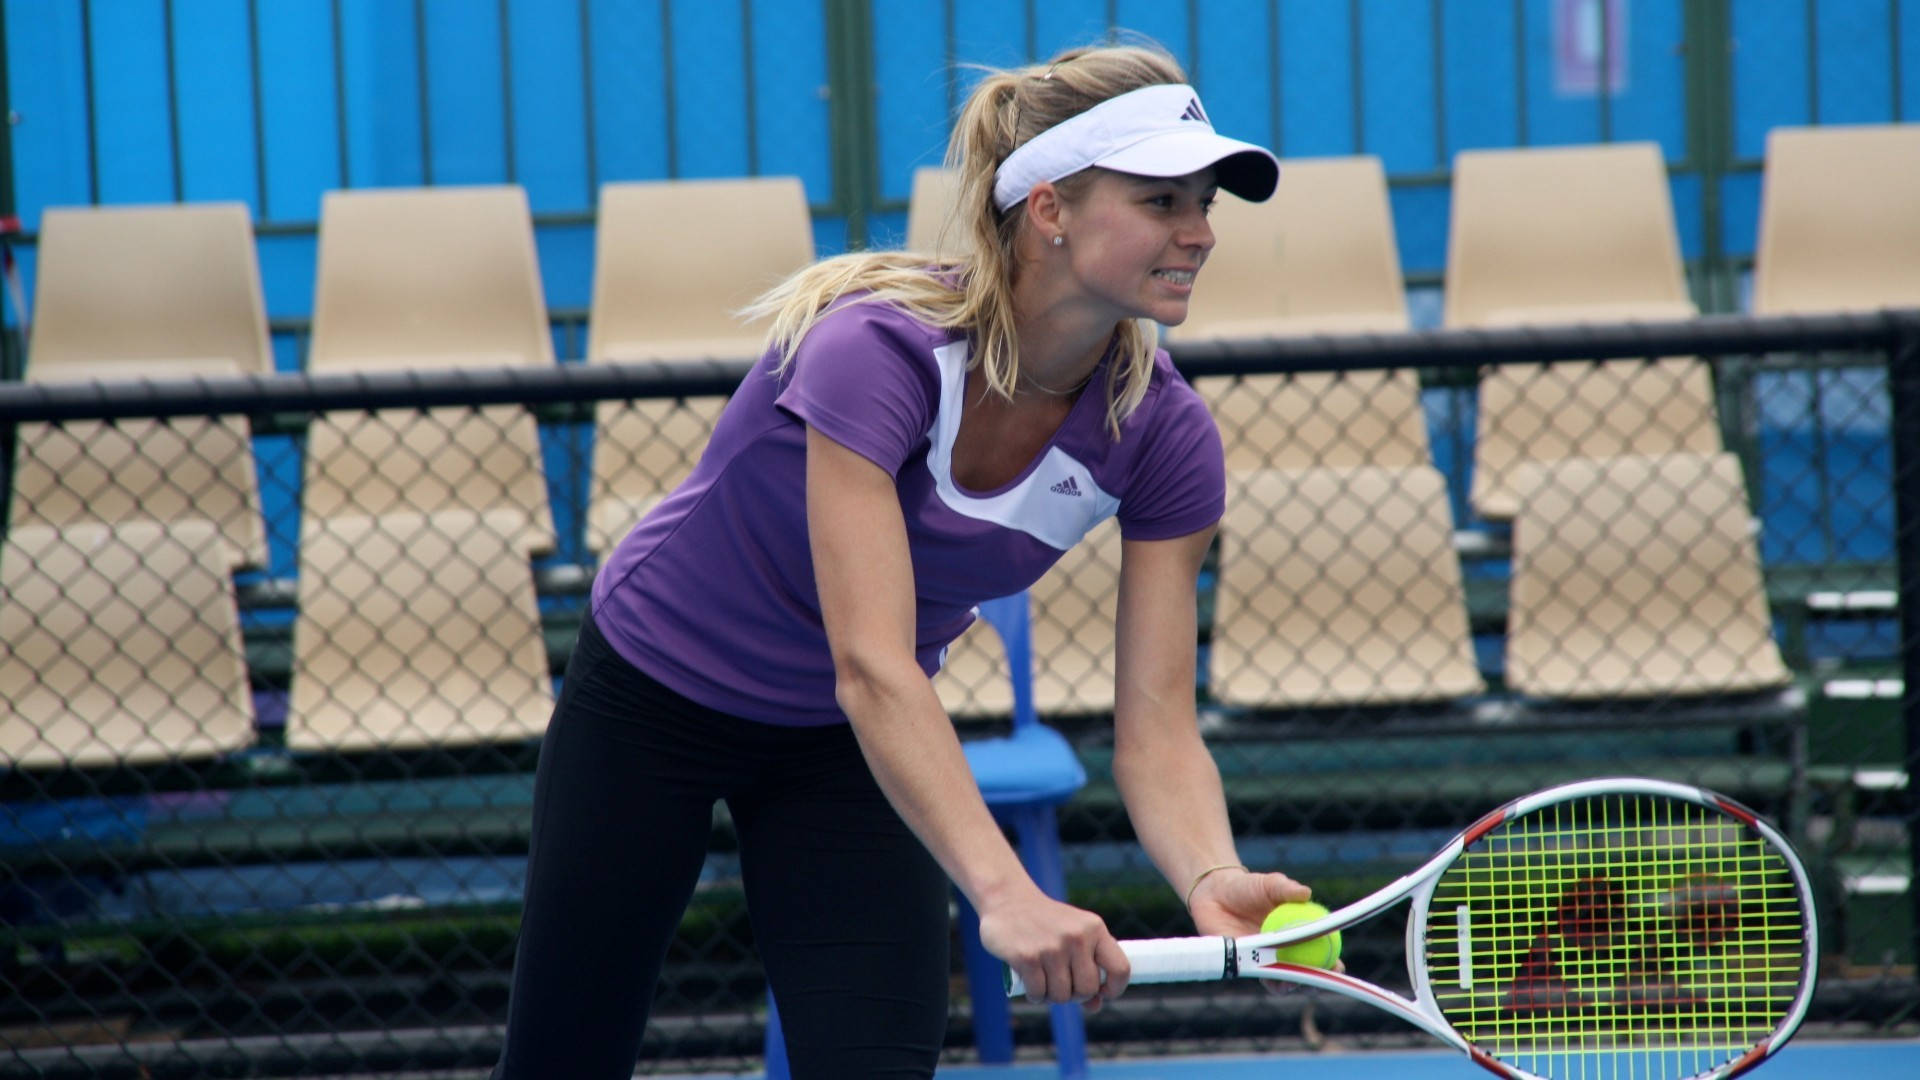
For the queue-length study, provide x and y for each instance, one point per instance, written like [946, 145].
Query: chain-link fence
[278, 652]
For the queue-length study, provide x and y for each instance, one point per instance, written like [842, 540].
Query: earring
[1058, 240]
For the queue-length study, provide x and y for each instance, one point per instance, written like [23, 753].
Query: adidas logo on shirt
[1195, 112]
[1066, 487]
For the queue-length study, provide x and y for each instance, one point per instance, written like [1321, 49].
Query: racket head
[1619, 927]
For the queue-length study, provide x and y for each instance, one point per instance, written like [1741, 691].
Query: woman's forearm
[1164, 771]
[915, 757]
[1174, 798]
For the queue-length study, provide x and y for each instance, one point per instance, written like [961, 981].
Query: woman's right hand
[1062, 953]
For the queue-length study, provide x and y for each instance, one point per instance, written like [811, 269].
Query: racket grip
[1164, 960]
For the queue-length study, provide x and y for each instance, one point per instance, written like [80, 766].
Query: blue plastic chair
[1023, 777]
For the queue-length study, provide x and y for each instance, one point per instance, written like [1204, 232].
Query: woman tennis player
[917, 439]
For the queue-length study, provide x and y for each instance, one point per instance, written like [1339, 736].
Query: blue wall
[276, 101]
[272, 102]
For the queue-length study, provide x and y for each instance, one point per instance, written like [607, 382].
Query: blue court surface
[1809, 1060]
[1805, 1060]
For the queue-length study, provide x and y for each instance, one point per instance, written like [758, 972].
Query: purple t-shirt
[713, 592]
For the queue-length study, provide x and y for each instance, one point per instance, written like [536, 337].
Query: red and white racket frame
[1204, 959]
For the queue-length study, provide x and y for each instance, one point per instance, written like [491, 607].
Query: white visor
[1153, 131]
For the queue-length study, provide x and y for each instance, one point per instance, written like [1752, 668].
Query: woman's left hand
[1233, 903]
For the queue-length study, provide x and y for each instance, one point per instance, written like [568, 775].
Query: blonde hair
[975, 290]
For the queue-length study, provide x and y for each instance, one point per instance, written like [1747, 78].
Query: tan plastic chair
[1638, 577]
[435, 278]
[1073, 633]
[122, 645]
[1317, 419]
[403, 461]
[425, 278]
[416, 630]
[642, 450]
[1548, 412]
[976, 679]
[1561, 227]
[1839, 220]
[1339, 586]
[1317, 258]
[675, 261]
[148, 285]
[1557, 235]
[182, 468]
[930, 210]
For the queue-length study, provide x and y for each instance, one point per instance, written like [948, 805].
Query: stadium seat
[148, 285]
[1072, 632]
[1340, 586]
[643, 450]
[1074, 606]
[1320, 258]
[1638, 577]
[1839, 220]
[1317, 258]
[418, 624]
[441, 277]
[974, 680]
[1560, 226]
[668, 285]
[416, 630]
[1314, 419]
[368, 464]
[122, 645]
[141, 468]
[156, 292]
[1567, 235]
[930, 210]
[1540, 412]
[1023, 776]
[427, 277]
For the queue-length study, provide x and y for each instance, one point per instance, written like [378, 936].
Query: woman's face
[1136, 242]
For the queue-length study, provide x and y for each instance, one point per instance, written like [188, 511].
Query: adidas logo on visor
[1066, 487]
[1195, 112]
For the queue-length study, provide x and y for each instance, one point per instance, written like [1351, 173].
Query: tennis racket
[1612, 929]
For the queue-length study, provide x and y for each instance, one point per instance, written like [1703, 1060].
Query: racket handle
[1163, 960]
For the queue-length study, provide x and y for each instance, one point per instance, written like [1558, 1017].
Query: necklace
[1074, 389]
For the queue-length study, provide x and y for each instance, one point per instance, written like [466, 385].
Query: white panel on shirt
[1057, 503]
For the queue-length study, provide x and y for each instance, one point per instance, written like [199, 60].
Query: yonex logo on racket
[1066, 487]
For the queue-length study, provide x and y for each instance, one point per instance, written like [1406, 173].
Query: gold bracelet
[1191, 889]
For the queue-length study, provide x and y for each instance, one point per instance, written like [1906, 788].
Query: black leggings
[849, 911]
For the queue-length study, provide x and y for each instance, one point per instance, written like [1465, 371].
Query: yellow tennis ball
[1320, 952]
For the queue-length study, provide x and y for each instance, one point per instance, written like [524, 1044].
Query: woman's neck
[1060, 342]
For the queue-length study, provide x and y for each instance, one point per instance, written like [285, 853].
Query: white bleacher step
[1870, 779]
[1477, 544]
[1880, 779]
[1858, 600]
[1877, 884]
[1863, 689]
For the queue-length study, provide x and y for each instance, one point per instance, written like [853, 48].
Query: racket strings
[1617, 936]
